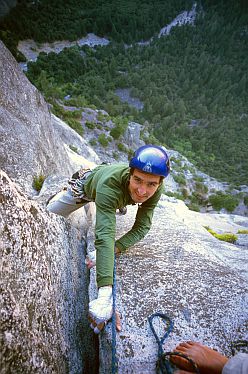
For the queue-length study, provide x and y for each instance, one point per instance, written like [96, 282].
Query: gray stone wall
[44, 289]
[29, 144]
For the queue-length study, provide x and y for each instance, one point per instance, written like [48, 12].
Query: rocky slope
[179, 269]
[185, 180]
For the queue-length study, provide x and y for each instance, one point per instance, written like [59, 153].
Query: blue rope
[163, 365]
[114, 359]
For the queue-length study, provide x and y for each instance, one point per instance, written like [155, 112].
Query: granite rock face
[44, 282]
[72, 139]
[132, 135]
[44, 288]
[29, 144]
[197, 280]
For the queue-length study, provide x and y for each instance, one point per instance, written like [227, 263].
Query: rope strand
[114, 358]
[163, 365]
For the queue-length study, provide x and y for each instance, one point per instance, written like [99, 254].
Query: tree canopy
[192, 82]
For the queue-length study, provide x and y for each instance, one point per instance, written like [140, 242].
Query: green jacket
[107, 185]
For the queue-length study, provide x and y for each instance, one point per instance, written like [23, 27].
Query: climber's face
[142, 185]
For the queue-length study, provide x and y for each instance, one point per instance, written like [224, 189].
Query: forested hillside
[192, 82]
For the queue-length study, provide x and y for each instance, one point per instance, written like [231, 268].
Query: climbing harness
[77, 182]
[163, 365]
[114, 358]
[122, 211]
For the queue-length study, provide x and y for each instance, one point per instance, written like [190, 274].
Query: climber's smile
[142, 186]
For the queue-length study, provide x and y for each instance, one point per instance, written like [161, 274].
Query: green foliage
[116, 132]
[185, 193]
[119, 128]
[193, 206]
[75, 125]
[177, 195]
[246, 200]
[122, 148]
[221, 200]
[38, 181]
[90, 125]
[116, 155]
[78, 102]
[151, 139]
[102, 117]
[242, 231]
[195, 73]
[227, 237]
[175, 160]
[200, 187]
[103, 140]
[70, 117]
[73, 148]
[180, 179]
[197, 178]
[130, 153]
[127, 21]
[11, 41]
[93, 142]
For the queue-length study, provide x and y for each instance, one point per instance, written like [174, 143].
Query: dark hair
[160, 180]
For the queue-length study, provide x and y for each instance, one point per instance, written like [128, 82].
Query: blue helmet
[151, 159]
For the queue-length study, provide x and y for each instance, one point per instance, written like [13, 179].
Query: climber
[113, 187]
[208, 360]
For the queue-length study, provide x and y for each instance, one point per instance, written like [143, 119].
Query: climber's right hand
[101, 309]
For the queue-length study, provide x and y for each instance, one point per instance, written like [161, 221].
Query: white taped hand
[101, 309]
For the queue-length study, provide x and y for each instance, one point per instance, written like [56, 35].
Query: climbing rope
[114, 358]
[163, 365]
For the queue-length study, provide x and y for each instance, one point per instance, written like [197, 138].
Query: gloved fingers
[99, 327]
[92, 322]
[96, 325]
[101, 309]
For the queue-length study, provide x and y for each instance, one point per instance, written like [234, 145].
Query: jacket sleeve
[237, 364]
[105, 239]
[142, 224]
